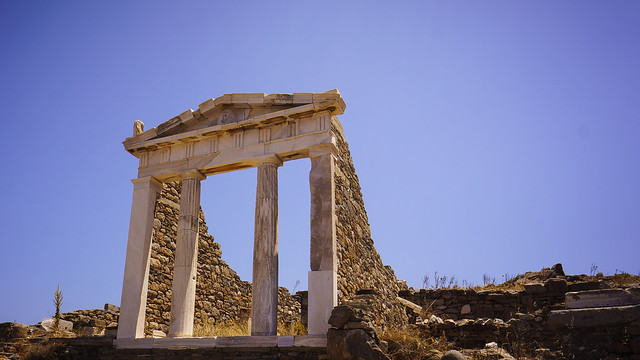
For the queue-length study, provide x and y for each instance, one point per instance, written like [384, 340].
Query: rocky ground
[537, 315]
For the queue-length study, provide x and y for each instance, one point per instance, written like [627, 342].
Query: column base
[323, 297]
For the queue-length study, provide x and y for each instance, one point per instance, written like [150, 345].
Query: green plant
[57, 302]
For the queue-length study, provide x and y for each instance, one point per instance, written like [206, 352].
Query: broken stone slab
[594, 317]
[415, 308]
[602, 298]
[48, 324]
[111, 307]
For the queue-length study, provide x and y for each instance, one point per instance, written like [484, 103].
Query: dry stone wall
[221, 296]
[359, 264]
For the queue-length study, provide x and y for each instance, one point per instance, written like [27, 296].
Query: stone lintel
[249, 156]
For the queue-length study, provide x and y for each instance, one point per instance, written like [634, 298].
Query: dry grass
[409, 344]
[296, 328]
[48, 350]
[237, 329]
[224, 329]
[623, 279]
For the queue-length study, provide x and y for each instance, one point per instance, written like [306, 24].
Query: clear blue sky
[489, 137]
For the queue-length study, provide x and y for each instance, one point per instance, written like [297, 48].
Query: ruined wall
[359, 264]
[221, 296]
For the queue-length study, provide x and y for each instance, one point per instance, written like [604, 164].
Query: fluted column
[323, 283]
[133, 302]
[183, 291]
[264, 308]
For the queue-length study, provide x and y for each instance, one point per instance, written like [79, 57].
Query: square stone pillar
[323, 288]
[264, 294]
[183, 290]
[133, 302]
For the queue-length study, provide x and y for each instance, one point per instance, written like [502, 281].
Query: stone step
[602, 298]
[594, 317]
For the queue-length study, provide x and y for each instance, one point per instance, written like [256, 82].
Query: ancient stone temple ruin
[239, 131]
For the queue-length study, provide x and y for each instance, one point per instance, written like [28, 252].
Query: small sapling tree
[57, 302]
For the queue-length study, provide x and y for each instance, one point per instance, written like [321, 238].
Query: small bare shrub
[425, 281]
[488, 280]
[57, 302]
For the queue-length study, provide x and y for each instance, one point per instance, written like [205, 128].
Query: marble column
[264, 307]
[133, 302]
[323, 285]
[183, 291]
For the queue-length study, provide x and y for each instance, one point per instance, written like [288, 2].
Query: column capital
[271, 160]
[193, 174]
[322, 149]
[154, 183]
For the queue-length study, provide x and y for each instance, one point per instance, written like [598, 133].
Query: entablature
[282, 125]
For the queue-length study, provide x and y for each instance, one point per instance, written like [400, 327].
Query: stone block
[93, 331]
[602, 298]
[323, 296]
[352, 344]
[556, 285]
[48, 324]
[534, 288]
[466, 309]
[340, 316]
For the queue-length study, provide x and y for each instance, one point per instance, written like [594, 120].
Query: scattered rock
[466, 309]
[10, 331]
[64, 325]
[111, 307]
[453, 355]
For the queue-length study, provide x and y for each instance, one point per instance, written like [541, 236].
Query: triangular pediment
[237, 110]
